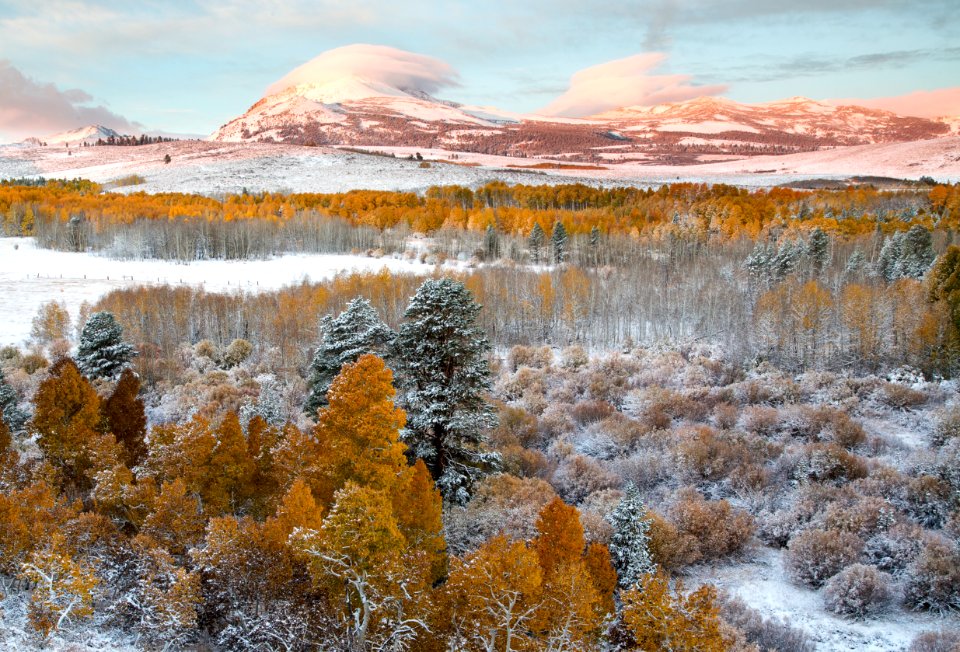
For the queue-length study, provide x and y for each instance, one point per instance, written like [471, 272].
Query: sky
[189, 66]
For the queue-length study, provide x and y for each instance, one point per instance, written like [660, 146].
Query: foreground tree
[355, 331]
[630, 542]
[102, 353]
[12, 415]
[657, 619]
[124, 416]
[445, 376]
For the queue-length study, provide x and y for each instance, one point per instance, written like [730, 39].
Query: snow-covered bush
[761, 420]
[814, 556]
[894, 549]
[765, 633]
[578, 476]
[943, 641]
[858, 591]
[714, 526]
[933, 579]
[236, 353]
[829, 463]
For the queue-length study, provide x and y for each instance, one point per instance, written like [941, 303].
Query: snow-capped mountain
[356, 110]
[89, 135]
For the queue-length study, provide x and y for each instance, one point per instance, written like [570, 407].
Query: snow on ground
[31, 277]
[214, 167]
[763, 585]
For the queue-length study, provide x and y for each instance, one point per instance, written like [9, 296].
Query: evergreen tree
[102, 353]
[916, 253]
[630, 542]
[559, 242]
[535, 242]
[269, 405]
[856, 263]
[12, 415]
[818, 250]
[444, 376]
[356, 331]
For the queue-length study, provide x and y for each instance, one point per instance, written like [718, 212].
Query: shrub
[578, 476]
[586, 412]
[236, 352]
[761, 420]
[574, 357]
[829, 462]
[814, 556]
[716, 528]
[668, 548]
[901, 397]
[726, 415]
[933, 579]
[33, 362]
[947, 427]
[858, 591]
[942, 641]
[863, 517]
[766, 634]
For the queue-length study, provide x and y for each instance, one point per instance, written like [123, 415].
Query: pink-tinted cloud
[378, 63]
[32, 108]
[625, 82]
[943, 102]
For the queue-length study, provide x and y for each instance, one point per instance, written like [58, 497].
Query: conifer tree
[535, 241]
[630, 542]
[558, 241]
[355, 331]
[102, 353]
[818, 250]
[444, 376]
[12, 415]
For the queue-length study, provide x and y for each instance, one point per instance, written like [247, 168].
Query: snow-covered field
[213, 167]
[31, 277]
[764, 586]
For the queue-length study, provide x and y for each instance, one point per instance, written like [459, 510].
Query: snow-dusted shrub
[717, 528]
[952, 526]
[943, 641]
[646, 468]
[670, 549]
[726, 415]
[933, 579]
[761, 420]
[33, 362]
[236, 353]
[609, 380]
[206, 349]
[814, 556]
[515, 426]
[574, 357]
[894, 549]
[587, 412]
[556, 421]
[578, 476]
[901, 397]
[525, 462]
[594, 511]
[623, 430]
[947, 427]
[525, 380]
[863, 517]
[829, 463]
[928, 500]
[858, 591]
[500, 504]
[705, 454]
[529, 356]
[765, 633]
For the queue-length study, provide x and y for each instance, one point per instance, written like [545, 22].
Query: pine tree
[888, 258]
[818, 250]
[356, 331]
[444, 376]
[535, 242]
[916, 253]
[558, 241]
[12, 415]
[856, 263]
[630, 542]
[102, 353]
[269, 405]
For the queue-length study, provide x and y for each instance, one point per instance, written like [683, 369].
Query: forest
[559, 443]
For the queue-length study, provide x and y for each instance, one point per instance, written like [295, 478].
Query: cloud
[32, 108]
[942, 102]
[380, 63]
[625, 82]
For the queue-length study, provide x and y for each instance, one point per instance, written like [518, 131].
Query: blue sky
[189, 66]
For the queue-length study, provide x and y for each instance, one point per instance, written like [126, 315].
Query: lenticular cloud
[624, 82]
[380, 63]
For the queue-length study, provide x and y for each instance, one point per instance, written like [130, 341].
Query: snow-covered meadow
[31, 276]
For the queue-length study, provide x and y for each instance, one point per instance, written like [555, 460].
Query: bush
[33, 362]
[814, 556]
[942, 641]
[716, 528]
[761, 420]
[933, 579]
[766, 634]
[895, 549]
[947, 427]
[726, 415]
[573, 358]
[829, 462]
[858, 591]
[587, 412]
[578, 476]
[901, 397]
[236, 352]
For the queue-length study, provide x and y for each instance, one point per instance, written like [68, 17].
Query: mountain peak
[89, 134]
